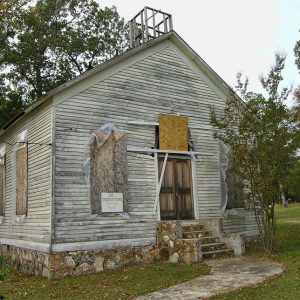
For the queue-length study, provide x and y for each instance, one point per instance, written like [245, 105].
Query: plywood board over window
[2, 185]
[233, 182]
[173, 132]
[21, 179]
[108, 173]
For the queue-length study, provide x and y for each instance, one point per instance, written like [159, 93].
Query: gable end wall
[159, 80]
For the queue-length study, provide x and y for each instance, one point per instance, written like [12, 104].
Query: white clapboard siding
[159, 83]
[36, 225]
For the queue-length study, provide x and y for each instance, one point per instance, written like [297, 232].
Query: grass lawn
[287, 251]
[110, 284]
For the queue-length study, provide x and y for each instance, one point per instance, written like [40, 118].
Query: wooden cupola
[148, 24]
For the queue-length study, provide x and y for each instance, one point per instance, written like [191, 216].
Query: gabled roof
[172, 35]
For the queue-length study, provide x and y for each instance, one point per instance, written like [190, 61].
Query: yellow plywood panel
[173, 132]
[21, 180]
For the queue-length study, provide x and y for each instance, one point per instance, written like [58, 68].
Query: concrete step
[213, 247]
[192, 227]
[218, 253]
[210, 240]
[195, 234]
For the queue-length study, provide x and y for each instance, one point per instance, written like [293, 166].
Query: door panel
[176, 199]
[167, 191]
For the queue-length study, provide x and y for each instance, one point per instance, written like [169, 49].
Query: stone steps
[195, 234]
[191, 239]
[210, 245]
[213, 247]
[218, 253]
[189, 242]
[209, 240]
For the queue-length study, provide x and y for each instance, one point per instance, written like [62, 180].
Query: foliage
[10, 103]
[287, 252]
[297, 54]
[9, 11]
[261, 135]
[297, 90]
[125, 283]
[296, 107]
[49, 43]
[293, 181]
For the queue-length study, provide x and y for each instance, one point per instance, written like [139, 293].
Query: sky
[233, 35]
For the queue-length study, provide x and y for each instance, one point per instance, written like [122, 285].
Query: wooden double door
[176, 196]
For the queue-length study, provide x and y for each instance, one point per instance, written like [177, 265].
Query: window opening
[108, 170]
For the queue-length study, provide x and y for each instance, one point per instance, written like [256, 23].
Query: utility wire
[27, 143]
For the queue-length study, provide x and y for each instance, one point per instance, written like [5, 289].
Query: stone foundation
[88, 262]
[75, 263]
[25, 260]
[171, 246]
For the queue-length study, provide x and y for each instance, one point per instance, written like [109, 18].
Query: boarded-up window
[2, 184]
[21, 179]
[108, 168]
[173, 132]
[235, 192]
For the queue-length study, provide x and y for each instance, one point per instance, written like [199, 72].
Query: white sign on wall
[112, 202]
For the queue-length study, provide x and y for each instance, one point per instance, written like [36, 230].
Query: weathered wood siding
[36, 225]
[242, 222]
[161, 83]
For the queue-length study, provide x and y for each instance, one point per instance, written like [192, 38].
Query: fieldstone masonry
[25, 260]
[75, 263]
[171, 246]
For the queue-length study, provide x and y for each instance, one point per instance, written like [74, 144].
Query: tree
[10, 103]
[293, 180]
[297, 90]
[9, 11]
[297, 54]
[261, 135]
[53, 41]
[297, 103]
[10, 99]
